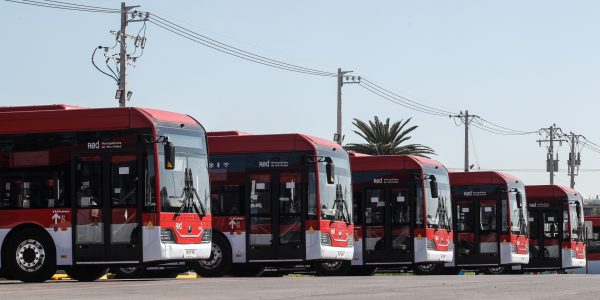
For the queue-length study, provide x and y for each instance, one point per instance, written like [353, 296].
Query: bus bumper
[155, 250]
[507, 257]
[185, 251]
[568, 261]
[424, 255]
[339, 253]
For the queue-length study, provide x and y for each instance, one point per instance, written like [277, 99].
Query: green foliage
[383, 139]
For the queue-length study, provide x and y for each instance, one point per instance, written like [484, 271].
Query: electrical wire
[69, 6]
[395, 100]
[474, 149]
[231, 50]
[101, 71]
[507, 129]
[406, 99]
[479, 124]
[81, 5]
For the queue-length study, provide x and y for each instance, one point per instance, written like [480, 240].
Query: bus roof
[39, 107]
[248, 143]
[363, 162]
[481, 178]
[545, 191]
[227, 133]
[57, 118]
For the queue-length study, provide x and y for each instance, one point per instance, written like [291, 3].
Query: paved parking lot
[373, 287]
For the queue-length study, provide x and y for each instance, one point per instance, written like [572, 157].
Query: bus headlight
[573, 253]
[167, 236]
[513, 248]
[325, 239]
[450, 245]
[206, 236]
[350, 240]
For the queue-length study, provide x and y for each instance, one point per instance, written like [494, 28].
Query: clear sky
[521, 64]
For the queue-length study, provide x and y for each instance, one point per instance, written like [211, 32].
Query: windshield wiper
[442, 215]
[339, 200]
[188, 195]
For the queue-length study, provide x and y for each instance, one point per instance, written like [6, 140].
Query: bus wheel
[30, 256]
[128, 272]
[86, 273]
[499, 270]
[428, 269]
[219, 262]
[332, 268]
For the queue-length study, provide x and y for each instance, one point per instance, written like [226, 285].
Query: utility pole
[553, 134]
[123, 57]
[341, 80]
[122, 93]
[466, 119]
[574, 157]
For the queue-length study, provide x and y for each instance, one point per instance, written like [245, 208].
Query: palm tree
[383, 139]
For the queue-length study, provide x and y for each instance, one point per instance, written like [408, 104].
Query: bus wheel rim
[128, 270]
[30, 255]
[427, 267]
[332, 265]
[215, 259]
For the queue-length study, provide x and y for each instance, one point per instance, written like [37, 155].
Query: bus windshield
[439, 215]
[185, 189]
[518, 225]
[336, 198]
[576, 223]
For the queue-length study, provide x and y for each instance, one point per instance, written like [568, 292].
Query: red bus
[556, 228]
[591, 209]
[84, 189]
[402, 215]
[490, 227]
[277, 200]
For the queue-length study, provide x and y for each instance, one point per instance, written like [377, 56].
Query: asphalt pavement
[371, 287]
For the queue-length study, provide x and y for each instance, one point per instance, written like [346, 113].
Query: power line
[65, 6]
[231, 50]
[407, 100]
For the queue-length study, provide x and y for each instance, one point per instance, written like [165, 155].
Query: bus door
[387, 226]
[106, 210]
[477, 239]
[545, 232]
[276, 231]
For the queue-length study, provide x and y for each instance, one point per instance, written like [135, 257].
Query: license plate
[340, 254]
[189, 253]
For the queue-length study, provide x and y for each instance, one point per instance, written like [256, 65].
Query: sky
[521, 64]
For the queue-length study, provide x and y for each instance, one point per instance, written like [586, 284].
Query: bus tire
[333, 268]
[428, 269]
[86, 273]
[219, 262]
[128, 272]
[499, 270]
[30, 255]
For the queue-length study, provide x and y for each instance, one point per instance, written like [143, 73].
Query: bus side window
[32, 189]
[227, 200]
[357, 208]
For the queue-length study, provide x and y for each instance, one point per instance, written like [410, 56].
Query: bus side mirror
[433, 186]
[519, 199]
[578, 208]
[329, 170]
[169, 155]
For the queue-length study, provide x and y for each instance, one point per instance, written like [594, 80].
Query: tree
[383, 139]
